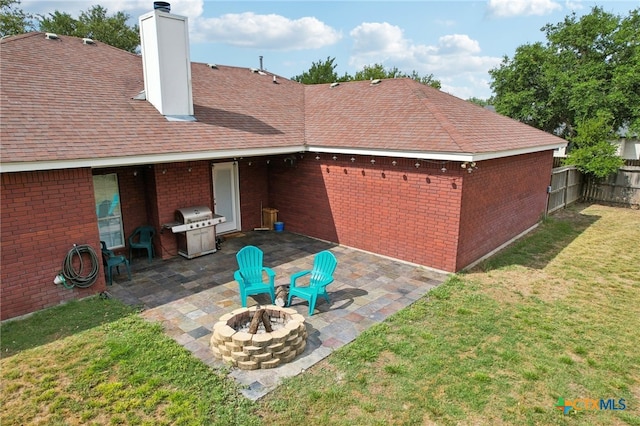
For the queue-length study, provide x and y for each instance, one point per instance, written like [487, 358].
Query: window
[107, 197]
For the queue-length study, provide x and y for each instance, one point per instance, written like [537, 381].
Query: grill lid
[193, 214]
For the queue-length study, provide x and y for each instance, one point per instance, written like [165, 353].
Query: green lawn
[557, 315]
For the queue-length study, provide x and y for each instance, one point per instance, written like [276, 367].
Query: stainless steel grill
[196, 231]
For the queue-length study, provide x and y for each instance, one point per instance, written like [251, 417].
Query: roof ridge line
[446, 124]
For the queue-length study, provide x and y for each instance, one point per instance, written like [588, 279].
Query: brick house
[392, 167]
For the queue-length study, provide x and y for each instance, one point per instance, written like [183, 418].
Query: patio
[189, 296]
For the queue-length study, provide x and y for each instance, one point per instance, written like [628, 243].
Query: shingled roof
[65, 103]
[403, 115]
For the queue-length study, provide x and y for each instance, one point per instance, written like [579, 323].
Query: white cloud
[134, 8]
[378, 36]
[573, 5]
[470, 85]
[457, 43]
[188, 8]
[455, 60]
[509, 8]
[265, 31]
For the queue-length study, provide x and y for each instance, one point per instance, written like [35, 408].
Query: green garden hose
[78, 277]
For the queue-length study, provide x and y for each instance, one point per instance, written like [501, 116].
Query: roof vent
[162, 6]
[88, 41]
[213, 66]
[336, 84]
[253, 69]
[51, 36]
[376, 81]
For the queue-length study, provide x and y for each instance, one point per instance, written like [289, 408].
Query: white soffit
[28, 166]
[426, 155]
[236, 153]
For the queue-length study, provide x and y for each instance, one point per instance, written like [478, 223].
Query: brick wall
[501, 199]
[43, 214]
[151, 194]
[400, 211]
[171, 187]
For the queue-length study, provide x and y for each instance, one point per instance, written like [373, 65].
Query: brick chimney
[166, 62]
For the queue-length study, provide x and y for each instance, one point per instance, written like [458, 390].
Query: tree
[94, 23]
[375, 71]
[593, 153]
[320, 72]
[585, 76]
[429, 80]
[324, 72]
[14, 20]
[478, 101]
[61, 23]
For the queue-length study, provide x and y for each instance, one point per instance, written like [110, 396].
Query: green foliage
[93, 23]
[478, 101]
[378, 71]
[13, 20]
[429, 79]
[592, 152]
[96, 24]
[599, 160]
[61, 23]
[320, 72]
[585, 75]
[521, 87]
[324, 72]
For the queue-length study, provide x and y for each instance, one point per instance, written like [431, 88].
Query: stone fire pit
[232, 342]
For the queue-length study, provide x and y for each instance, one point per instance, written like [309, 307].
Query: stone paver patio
[188, 296]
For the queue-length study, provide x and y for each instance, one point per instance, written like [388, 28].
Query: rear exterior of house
[443, 220]
[422, 177]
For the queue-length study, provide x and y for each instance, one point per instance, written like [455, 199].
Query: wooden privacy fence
[621, 188]
[565, 188]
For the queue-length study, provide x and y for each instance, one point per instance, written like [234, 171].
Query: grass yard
[556, 315]
[122, 370]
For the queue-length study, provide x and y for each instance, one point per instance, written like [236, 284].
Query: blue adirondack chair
[324, 264]
[250, 275]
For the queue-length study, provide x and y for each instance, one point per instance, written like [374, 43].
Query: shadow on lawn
[59, 322]
[542, 245]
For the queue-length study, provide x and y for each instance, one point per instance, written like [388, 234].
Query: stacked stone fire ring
[232, 342]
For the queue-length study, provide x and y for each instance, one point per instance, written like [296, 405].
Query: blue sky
[456, 41]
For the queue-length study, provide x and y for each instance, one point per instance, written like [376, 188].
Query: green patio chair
[324, 264]
[142, 238]
[110, 259]
[250, 275]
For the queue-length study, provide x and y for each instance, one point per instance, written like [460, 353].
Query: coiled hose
[78, 277]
